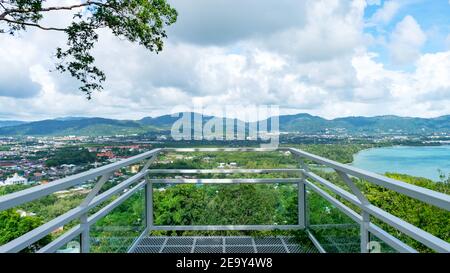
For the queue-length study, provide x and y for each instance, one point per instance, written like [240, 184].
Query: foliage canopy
[138, 21]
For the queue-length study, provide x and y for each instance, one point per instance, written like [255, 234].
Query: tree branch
[12, 11]
[32, 25]
[88, 3]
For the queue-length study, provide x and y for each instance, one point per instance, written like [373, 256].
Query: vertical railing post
[303, 218]
[364, 230]
[364, 226]
[85, 233]
[302, 207]
[85, 240]
[149, 205]
[148, 196]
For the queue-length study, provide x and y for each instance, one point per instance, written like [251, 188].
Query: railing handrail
[41, 231]
[223, 180]
[426, 195]
[242, 149]
[33, 193]
[412, 231]
[220, 171]
[431, 197]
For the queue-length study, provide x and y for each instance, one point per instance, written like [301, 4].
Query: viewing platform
[216, 244]
[363, 227]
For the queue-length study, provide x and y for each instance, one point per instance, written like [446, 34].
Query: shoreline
[433, 177]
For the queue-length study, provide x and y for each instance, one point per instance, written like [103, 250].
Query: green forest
[70, 155]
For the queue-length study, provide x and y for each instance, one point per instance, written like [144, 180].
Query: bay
[423, 161]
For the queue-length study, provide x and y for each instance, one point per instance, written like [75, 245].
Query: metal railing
[306, 181]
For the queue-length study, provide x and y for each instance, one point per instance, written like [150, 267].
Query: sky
[331, 58]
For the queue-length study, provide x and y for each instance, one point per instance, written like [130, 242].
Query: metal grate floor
[225, 244]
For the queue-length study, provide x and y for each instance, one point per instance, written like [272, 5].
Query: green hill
[299, 123]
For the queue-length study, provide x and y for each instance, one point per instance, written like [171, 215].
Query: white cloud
[433, 76]
[373, 82]
[319, 63]
[422, 92]
[406, 41]
[215, 22]
[332, 29]
[386, 13]
[15, 72]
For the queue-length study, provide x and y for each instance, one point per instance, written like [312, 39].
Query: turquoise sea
[421, 161]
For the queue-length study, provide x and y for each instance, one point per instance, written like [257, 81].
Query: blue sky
[330, 58]
[428, 13]
[433, 17]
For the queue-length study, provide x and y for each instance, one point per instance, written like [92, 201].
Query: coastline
[383, 163]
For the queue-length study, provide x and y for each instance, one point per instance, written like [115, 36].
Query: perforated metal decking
[227, 244]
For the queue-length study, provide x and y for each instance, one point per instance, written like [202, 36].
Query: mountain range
[6, 123]
[298, 123]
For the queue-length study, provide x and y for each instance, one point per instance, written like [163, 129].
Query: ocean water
[423, 161]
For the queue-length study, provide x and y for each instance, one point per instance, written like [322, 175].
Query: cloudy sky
[325, 57]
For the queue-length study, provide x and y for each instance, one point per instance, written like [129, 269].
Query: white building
[15, 180]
